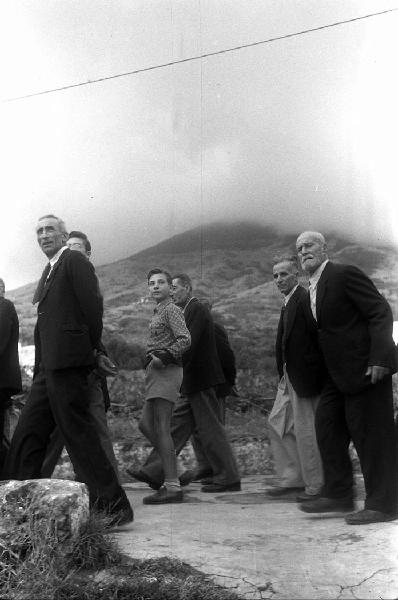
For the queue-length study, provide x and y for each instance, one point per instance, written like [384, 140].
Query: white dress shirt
[55, 258]
[312, 286]
[290, 294]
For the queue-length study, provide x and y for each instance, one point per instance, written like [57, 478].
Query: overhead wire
[198, 57]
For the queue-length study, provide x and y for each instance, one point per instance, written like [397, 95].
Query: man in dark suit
[10, 373]
[226, 356]
[354, 324]
[99, 394]
[227, 361]
[198, 407]
[67, 334]
[291, 423]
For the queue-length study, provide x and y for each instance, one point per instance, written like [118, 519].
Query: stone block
[56, 506]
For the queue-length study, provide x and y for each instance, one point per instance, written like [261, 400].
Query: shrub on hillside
[127, 355]
[255, 389]
[127, 391]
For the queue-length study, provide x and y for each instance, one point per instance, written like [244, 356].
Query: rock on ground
[63, 506]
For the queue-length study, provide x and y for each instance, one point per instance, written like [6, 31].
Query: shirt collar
[290, 294]
[188, 302]
[317, 274]
[56, 256]
[162, 304]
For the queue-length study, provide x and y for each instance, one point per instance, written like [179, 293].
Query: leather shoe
[121, 517]
[117, 512]
[164, 496]
[304, 497]
[214, 488]
[193, 475]
[325, 505]
[206, 480]
[141, 476]
[361, 517]
[277, 492]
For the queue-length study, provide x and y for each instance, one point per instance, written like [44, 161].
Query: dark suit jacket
[10, 373]
[69, 321]
[355, 326]
[202, 369]
[303, 359]
[227, 360]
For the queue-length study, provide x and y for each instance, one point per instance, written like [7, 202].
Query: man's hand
[234, 392]
[376, 373]
[156, 362]
[105, 367]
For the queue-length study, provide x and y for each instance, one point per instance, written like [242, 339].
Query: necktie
[40, 287]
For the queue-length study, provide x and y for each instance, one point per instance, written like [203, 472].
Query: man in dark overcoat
[10, 372]
[354, 323]
[67, 335]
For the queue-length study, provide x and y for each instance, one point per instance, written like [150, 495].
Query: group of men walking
[335, 357]
[68, 399]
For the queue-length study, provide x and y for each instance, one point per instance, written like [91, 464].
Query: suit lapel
[40, 286]
[321, 289]
[291, 311]
[50, 280]
[280, 328]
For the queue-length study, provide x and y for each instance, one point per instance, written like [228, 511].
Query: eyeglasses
[75, 245]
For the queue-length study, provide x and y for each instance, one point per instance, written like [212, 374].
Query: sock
[180, 466]
[172, 484]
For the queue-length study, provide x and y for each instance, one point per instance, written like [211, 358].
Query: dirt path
[266, 548]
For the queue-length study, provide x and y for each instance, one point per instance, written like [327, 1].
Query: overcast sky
[301, 133]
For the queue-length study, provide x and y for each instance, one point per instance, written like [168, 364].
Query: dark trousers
[54, 451]
[200, 412]
[200, 452]
[61, 398]
[98, 416]
[367, 419]
[5, 402]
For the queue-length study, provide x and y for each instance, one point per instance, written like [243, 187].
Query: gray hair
[316, 235]
[61, 223]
